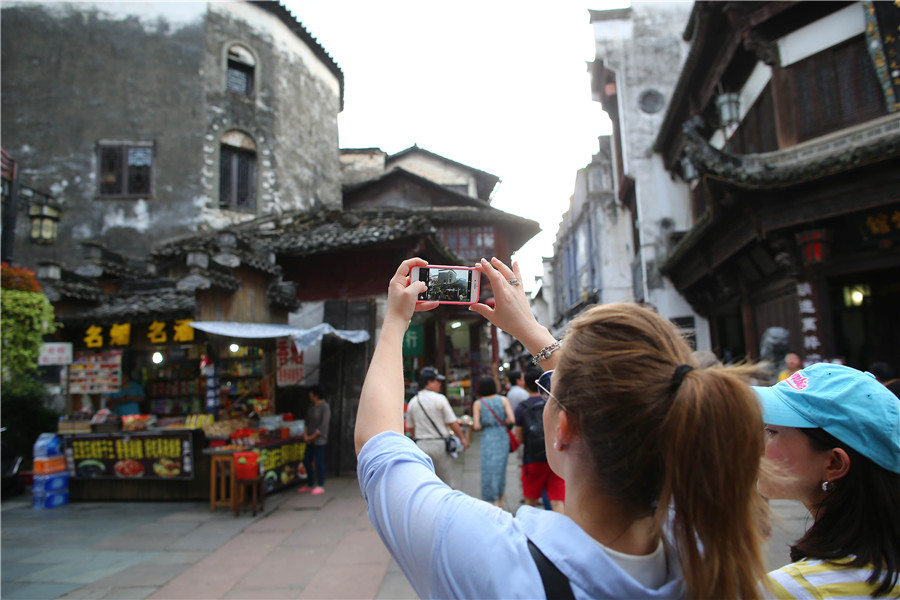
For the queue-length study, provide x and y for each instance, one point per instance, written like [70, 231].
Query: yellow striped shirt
[819, 579]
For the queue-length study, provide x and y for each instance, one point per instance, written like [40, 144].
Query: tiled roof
[249, 248]
[323, 232]
[139, 306]
[62, 289]
[876, 141]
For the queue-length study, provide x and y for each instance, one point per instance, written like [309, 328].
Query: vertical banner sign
[289, 363]
[212, 390]
[414, 341]
[809, 323]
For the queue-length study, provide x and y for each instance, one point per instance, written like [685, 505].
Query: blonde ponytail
[684, 449]
[714, 442]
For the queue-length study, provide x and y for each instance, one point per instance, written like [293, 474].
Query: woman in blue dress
[492, 414]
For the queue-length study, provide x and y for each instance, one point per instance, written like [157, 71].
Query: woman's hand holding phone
[403, 293]
[512, 311]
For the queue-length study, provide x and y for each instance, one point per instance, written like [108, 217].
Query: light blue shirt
[450, 545]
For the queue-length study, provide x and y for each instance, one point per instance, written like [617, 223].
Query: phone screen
[447, 284]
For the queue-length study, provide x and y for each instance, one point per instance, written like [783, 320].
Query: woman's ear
[838, 464]
[565, 431]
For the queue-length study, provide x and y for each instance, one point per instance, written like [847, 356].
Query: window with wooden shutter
[240, 70]
[125, 169]
[237, 179]
[834, 89]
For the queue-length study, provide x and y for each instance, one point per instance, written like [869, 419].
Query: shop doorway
[866, 317]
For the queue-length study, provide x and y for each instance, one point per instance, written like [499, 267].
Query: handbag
[451, 442]
[513, 440]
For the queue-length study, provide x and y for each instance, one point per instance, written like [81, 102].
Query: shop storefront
[210, 393]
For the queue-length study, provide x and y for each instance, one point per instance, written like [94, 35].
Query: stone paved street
[302, 546]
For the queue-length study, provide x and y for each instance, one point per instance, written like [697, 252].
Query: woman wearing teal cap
[835, 434]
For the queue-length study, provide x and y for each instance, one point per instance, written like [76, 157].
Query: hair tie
[678, 376]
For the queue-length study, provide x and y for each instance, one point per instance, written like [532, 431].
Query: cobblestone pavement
[302, 546]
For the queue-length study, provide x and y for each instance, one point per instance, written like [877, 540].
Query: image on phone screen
[445, 284]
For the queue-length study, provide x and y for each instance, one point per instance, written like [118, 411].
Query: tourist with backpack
[537, 476]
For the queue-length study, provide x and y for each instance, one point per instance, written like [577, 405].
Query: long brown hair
[684, 452]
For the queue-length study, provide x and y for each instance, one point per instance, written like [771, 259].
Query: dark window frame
[470, 242]
[122, 170]
[236, 71]
[237, 179]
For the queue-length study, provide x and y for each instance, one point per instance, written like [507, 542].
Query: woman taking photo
[835, 434]
[492, 414]
[660, 461]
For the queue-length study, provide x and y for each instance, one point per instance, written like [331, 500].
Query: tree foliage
[26, 316]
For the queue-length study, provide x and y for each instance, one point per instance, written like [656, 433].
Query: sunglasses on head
[543, 383]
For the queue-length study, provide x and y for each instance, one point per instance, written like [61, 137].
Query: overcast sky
[496, 85]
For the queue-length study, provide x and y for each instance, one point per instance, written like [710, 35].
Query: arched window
[241, 67]
[237, 172]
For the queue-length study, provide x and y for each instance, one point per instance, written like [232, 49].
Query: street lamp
[44, 223]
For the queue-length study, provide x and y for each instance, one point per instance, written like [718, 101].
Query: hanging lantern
[813, 246]
[729, 107]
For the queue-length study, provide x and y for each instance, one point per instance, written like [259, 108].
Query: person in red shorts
[537, 477]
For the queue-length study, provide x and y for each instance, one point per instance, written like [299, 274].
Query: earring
[555, 447]
[827, 486]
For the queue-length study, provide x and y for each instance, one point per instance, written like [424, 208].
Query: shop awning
[302, 338]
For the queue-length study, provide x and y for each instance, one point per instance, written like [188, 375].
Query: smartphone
[447, 285]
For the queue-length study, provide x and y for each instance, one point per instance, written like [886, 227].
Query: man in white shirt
[517, 393]
[430, 419]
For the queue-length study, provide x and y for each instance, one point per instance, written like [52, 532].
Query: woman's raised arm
[381, 399]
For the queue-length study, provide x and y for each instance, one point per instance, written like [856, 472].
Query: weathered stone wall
[78, 73]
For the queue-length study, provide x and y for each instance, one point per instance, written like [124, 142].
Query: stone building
[638, 54]
[135, 122]
[591, 256]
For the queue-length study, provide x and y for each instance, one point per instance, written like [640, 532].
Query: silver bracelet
[545, 352]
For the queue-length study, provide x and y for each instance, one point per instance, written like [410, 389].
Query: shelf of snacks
[179, 406]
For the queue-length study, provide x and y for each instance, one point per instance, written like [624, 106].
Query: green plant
[25, 318]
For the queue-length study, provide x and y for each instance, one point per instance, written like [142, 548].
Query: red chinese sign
[289, 363]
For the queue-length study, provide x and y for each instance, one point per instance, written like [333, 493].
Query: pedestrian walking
[517, 392]
[538, 479]
[834, 434]
[492, 415]
[430, 420]
[660, 463]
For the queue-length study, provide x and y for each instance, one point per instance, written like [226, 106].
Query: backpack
[533, 431]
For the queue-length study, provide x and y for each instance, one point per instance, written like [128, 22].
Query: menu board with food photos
[130, 455]
[96, 372]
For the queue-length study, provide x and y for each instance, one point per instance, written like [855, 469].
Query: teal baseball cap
[849, 404]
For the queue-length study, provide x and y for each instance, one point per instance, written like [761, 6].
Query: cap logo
[797, 381]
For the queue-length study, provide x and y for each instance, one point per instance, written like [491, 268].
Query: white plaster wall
[824, 33]
[647, 55]
[437, 171]
[179, 14]
[286, 41]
